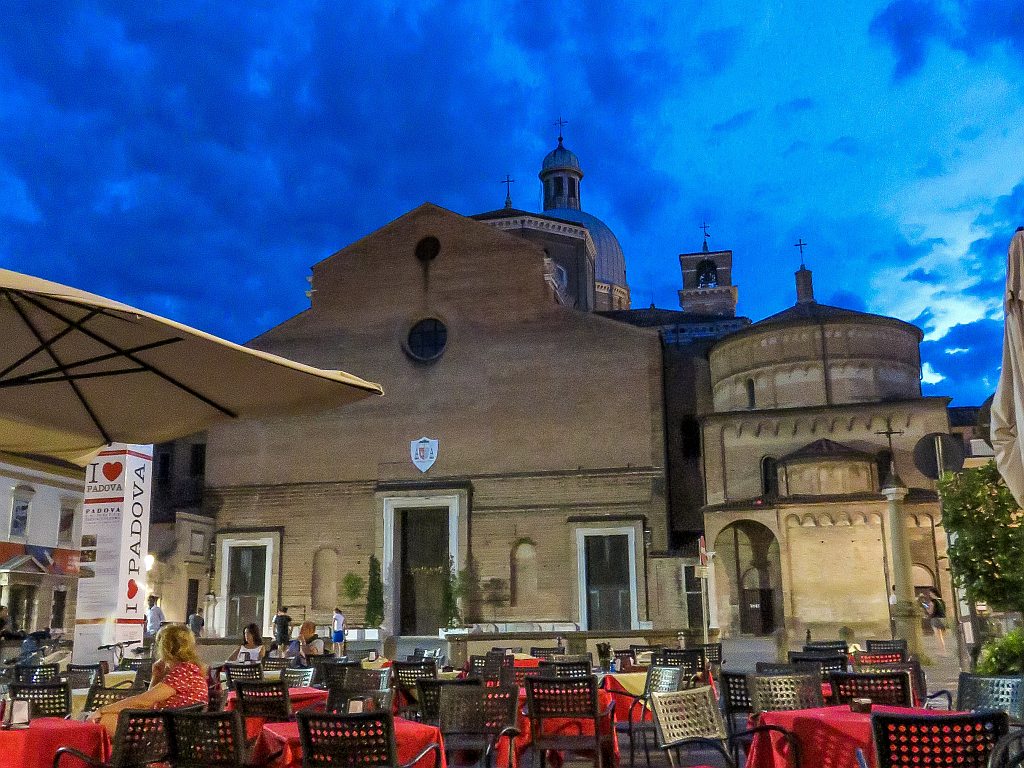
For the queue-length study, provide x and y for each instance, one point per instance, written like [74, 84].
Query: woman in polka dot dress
[179, 678]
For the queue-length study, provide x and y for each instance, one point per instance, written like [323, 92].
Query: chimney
[804, 286]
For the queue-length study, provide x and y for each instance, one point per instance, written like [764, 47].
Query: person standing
[338, 632]
[196, 623]
[937, 614]
[154, 617]
[282, 626]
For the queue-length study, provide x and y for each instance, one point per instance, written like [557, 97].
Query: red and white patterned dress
[189, 684]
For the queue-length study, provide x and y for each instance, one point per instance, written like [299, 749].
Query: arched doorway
[748, 557]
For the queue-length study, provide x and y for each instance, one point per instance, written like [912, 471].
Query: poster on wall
[115, 539]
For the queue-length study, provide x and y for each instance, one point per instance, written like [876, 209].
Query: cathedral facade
[567, 451]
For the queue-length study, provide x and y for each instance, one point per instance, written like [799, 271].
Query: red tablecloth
[300, 698]
[411, 738]
[35, 746]
[828, 737]
[624, 701]
[566, 726]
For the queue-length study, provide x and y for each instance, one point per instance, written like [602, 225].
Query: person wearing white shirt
[338, 632]
[154, 617]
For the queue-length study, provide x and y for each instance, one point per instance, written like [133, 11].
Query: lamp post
[906, 612]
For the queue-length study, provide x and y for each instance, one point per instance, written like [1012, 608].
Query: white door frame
[391, 564]
[581, 570]
[226, 545]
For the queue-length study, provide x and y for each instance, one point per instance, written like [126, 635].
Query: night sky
[194, 159]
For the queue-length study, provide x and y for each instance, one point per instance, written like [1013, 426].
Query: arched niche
[523, 573]
[324, 587]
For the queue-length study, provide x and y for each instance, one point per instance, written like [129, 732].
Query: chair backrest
[912, 667]
[691, 660]
[406, 673]
[99, 696]
[736, 694]
[339, 700]
[1004, 693]
[664, 679]
[207, 740]
[84, 675]
[776, 668]
[365, 739]
[266, 699]
[688, 714]
[770, 693]
[475, 710]
[568, 670]
[886, 646]
[317, 662]
[276, 662]
[143, 669]
[835, 662]
[548, 697]
[820, 646]
[237, 672]
[134, 663]
[332, 673]
[36, 673]
[297, 678]
[712, 652]
[960, 740]
[889, 688]
[45, 699]
[142, 738]
[879, 657]
[429, 692]
[547, 653]
[490, 666]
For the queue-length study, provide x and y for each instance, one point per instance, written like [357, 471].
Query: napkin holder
[862, 706]
[14, 713]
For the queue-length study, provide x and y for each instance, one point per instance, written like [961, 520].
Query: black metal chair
[331, 674]
[917, 677]
[886, 646]
[141, 739]
[474, 719]
[366, 740]
[142, 667]
[1003, 693]
[371, 687]
[44, 699]
[889, 688]
[623, 658]
[691, 660]
[776, 668]
[428, 696]
[660, 679]
[834, 662]
[879, 657]
[963, 741]
[276, 662]
[736, 700]
[566, 670]
[340, 701]
[208, 740]
[770, 693]
[549, 698]
[827, 647]
[712, 653]
[236, 672]
[492, 668]
[317, 662]
[1008, 751]
[264, 699]
[691, 718]
[84, 675]
[37, 673]
[99, 696]
[405, 674]
[547, 653]
[297, 678]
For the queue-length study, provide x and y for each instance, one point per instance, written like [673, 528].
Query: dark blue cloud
[968, 358]
[848, 300]
[734, 123]
[924, 277]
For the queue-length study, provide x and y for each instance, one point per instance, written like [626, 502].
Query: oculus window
[427, 339]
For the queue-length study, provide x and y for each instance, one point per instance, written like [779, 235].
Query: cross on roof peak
[561, 124]
[508, 181]
[801, 245]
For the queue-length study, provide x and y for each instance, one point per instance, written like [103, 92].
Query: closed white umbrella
[78, 371]
[1008, 403]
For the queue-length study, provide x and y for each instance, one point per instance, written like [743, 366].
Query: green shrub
[352, 586]
[1004, 655]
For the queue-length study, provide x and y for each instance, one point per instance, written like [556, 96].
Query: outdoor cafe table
[563, 726]
[829, 737]
[35, 746]
[411, 738]
[622, 686]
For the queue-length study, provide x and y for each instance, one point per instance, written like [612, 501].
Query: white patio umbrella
[1008, 404]
[78, 371]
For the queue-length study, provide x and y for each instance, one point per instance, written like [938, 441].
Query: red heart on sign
[133, 589]
[112, 470]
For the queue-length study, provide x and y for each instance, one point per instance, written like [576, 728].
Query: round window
[427, 249]
[427, 339]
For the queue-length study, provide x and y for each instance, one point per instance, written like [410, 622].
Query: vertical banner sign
[115, 539]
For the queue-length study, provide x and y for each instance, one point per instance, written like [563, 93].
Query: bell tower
[707, 281]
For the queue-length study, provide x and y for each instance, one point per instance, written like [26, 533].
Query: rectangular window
[197, 465]
[197, 543]
[60, 600]
[19, 518]
[65, 534]
[559, 187]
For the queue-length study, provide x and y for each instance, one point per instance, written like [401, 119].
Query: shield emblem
[424, 453]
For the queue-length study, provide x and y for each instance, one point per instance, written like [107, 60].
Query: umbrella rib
[125, 353]
[31, 378]
[51, 340]
[24, 381]
[78, 393]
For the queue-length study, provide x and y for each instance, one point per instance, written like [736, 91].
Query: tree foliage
[374, 595]
[352, 586]
[986, 553]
